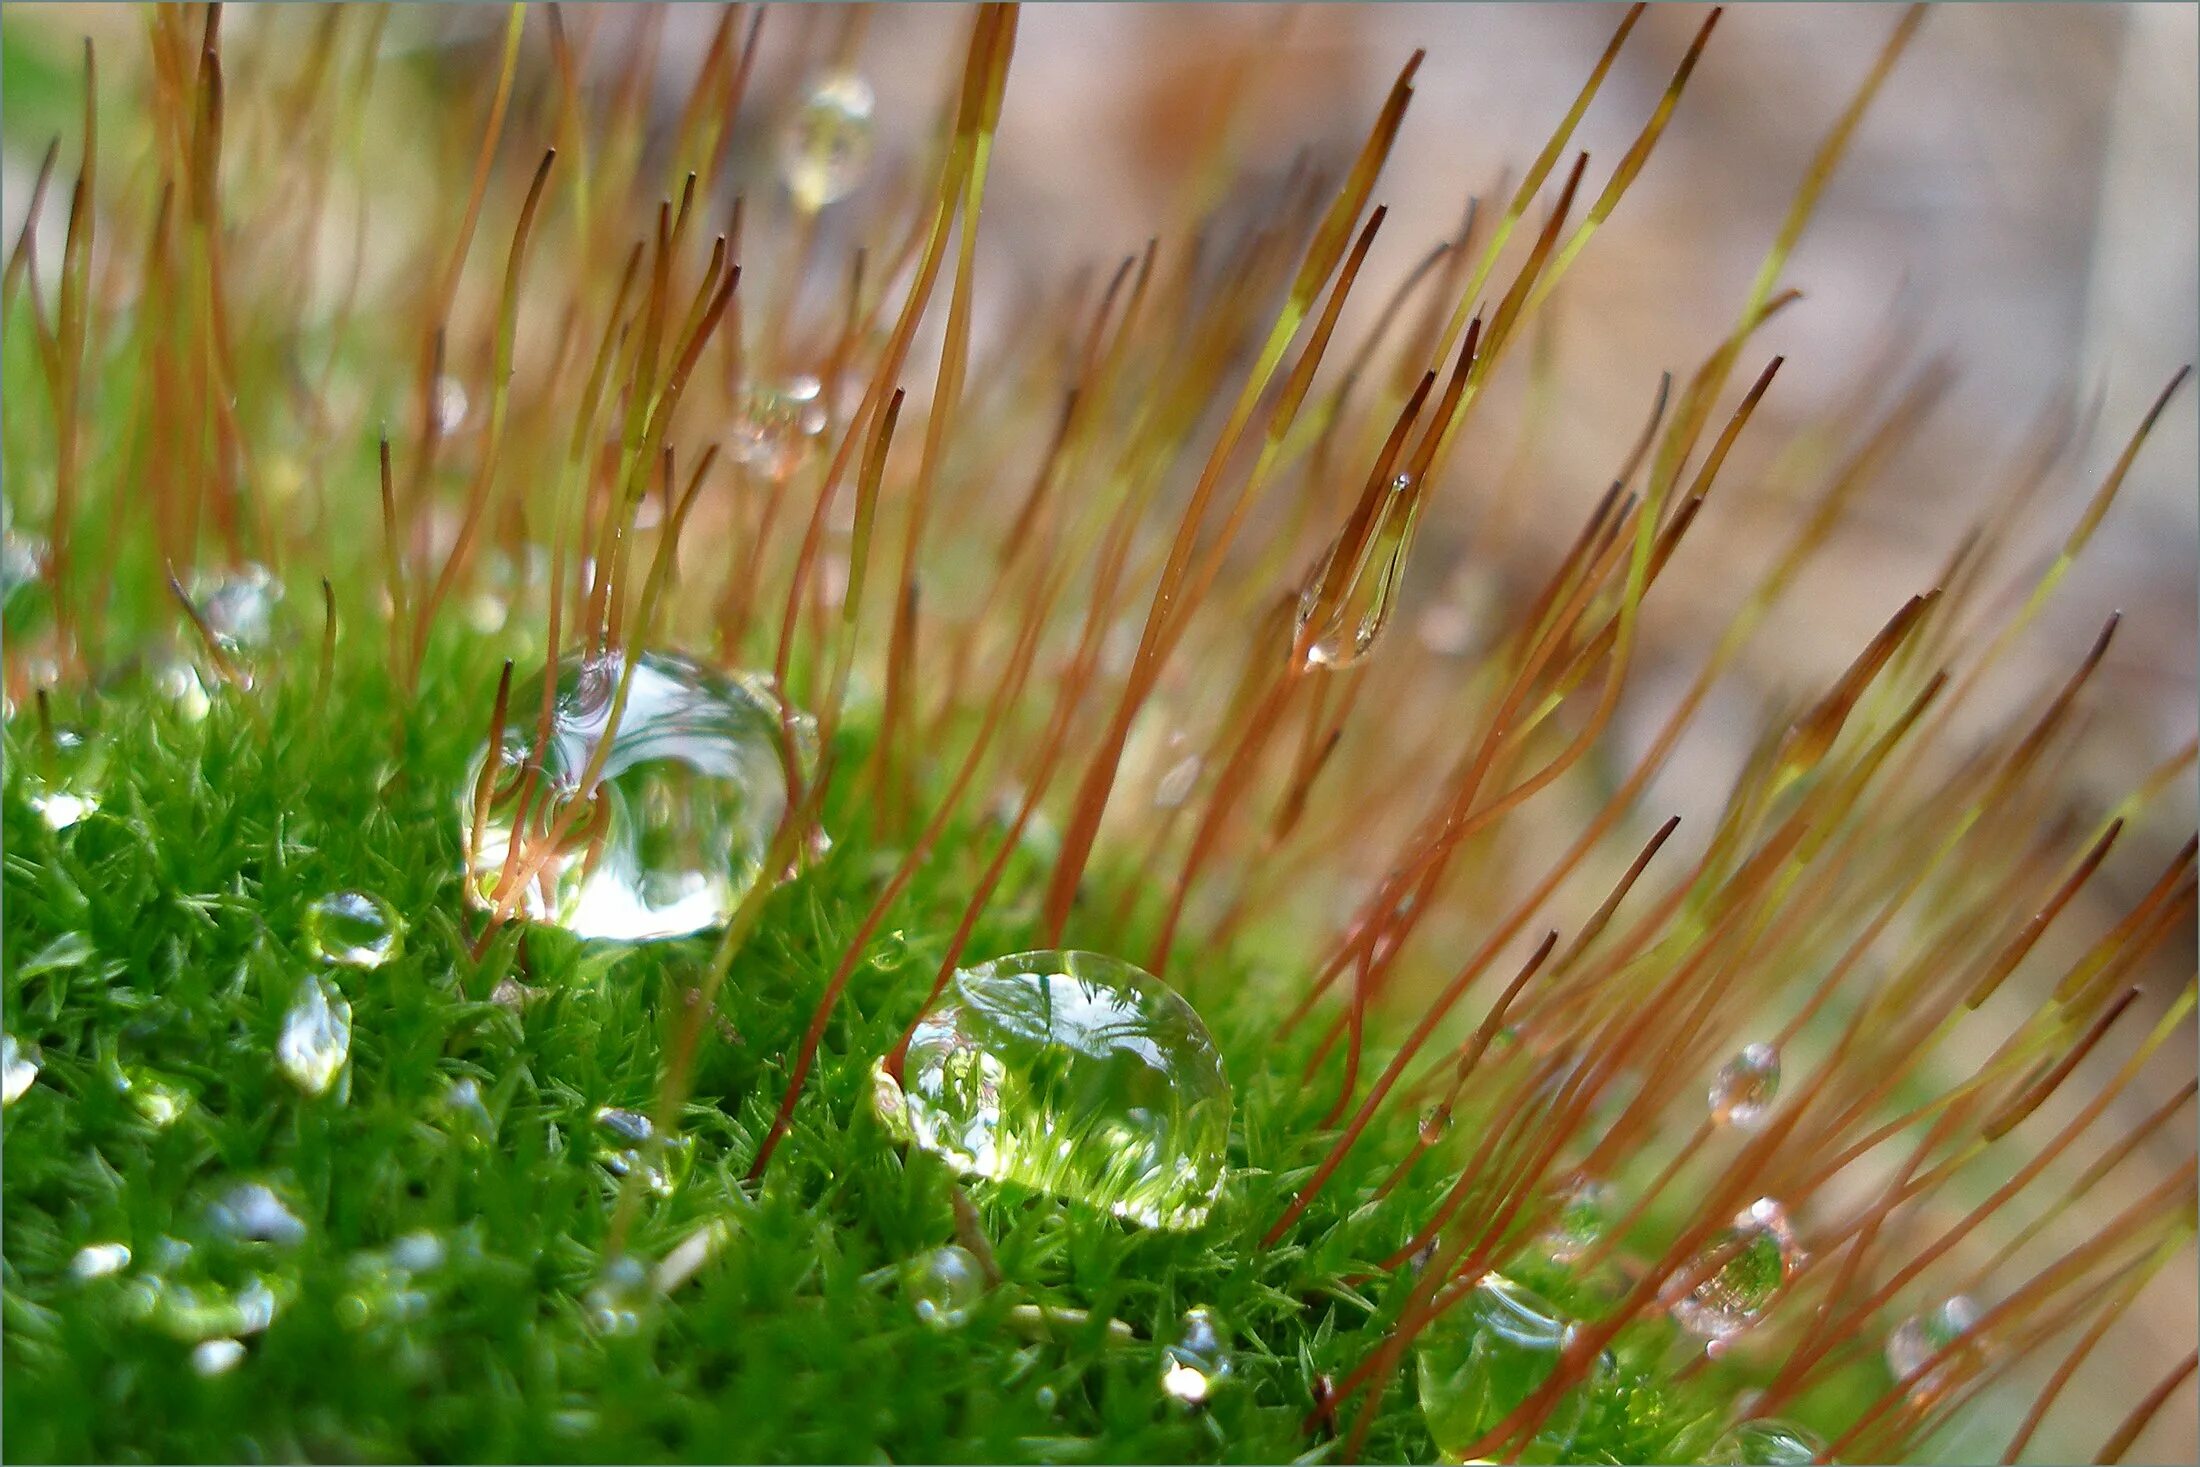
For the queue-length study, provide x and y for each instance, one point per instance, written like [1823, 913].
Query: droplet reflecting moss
[1738, 1276]
[1073, 1073]
[943, 1286]
[827, 143]
[353, 929]
[1767, 1443]
[1485, 1356]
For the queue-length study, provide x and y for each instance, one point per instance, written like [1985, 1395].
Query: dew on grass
[159, 1101]
[1072, 1073]
[1767, 1443]
[238, 606]
[774, 426]
[1198, 1361]
[615, 1302]
[64, 778]
[1584, 1212]
[251, 1212]
[1913, 1344]
[464, 1113]
[217, 1356]
[19, 1063]
[353, 929]
[944, 1285]
[201, 1310]
[1359, 606]
[633, 1146]
[316, 1037]
[1756, 1256]
[827, 143]
[176, 682]
[1743, 1092]
[1486, 1355]
[675, 831]
[98, 1260]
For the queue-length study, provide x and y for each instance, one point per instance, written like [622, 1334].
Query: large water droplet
[1742, 1094]
[1767, 1443]
[217, 1357]
[676, 829]
[1756, 1255]
[943, 1286]
[251, 1212]
[775, 426]
[316, 1037]
[354, 929]
[827, 143]
[1485, 1356]
[239, 606]
[1072, 1073]
[1584, 1212]
[19, 1064]
[1198, 1362]
[98, 1260]
[1914, 1342]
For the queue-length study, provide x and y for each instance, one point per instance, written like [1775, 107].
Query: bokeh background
[2021, 201]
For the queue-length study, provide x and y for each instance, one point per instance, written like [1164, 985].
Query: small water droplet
[1485, 1356]
[19, 1064]
[943, 1286]
[251, 1212]
[98, 1260]
[1757, 1255]
[1176, 785]
[353, 929]
[22, 562]
[636, 1148]
[63, 780]
[1073, 1073]
[316, 1037]
[465, 1114]
[1345, 604]
[176, 682]
[1767, 1443]
[1742, 1094]
[159, 1101]
[1197, 1364]
[1584, 1212]
[827, 143]
[450, 405]
[775, 426]
[239, 606]
[615, 1303]
[675, 832]
[1435, 1124]
[217, 1356]
[1914, 1342]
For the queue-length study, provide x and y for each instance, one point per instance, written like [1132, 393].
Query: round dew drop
[943, 1286]
[353, 929]
[827, 143]
[1072, 1073]
[1584, 1212]
[675, 830]
[1755, 1257]
[1199, 1362]
[316, 1038]
[1743, 1092]
[19, 1064]
[1767, 1443]
[1486, 1355]
[1915, 1342]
